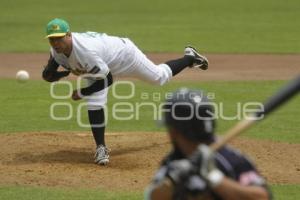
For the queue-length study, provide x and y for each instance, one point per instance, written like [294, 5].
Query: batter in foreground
[191, 170]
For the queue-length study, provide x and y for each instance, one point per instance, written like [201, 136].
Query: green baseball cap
[57, 28]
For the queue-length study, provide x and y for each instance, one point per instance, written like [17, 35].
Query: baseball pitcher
[99, 58]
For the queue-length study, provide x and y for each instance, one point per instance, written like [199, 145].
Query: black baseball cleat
[199, 60]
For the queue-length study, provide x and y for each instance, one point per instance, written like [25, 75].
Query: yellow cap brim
[56, 35]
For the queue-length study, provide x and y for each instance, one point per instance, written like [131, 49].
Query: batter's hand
[75, 95]
[205, 158]
[186, 180]
[179, 170]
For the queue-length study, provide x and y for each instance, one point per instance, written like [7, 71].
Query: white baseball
[22, 76]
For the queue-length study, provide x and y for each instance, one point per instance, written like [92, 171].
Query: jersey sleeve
[238, 167]
[58, 59]
[50, 72]
[54, 56]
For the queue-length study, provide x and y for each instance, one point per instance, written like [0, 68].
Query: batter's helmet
[191, 113]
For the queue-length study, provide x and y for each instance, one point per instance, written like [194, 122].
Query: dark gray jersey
[231, 162]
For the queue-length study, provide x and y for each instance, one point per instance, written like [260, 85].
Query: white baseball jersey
[95, 53]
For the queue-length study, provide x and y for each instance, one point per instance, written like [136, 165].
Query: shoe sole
[102, 162]
[204, 66]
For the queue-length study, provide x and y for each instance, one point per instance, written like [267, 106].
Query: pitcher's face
[61, 44]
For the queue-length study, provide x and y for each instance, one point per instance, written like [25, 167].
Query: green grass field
[214, 26]
[233, 26]
[30, 193]
[34, 193]
[33, 99]
[18, 104]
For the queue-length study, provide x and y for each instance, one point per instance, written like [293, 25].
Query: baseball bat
[282, 96]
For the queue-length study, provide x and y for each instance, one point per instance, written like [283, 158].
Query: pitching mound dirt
[66, 160]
